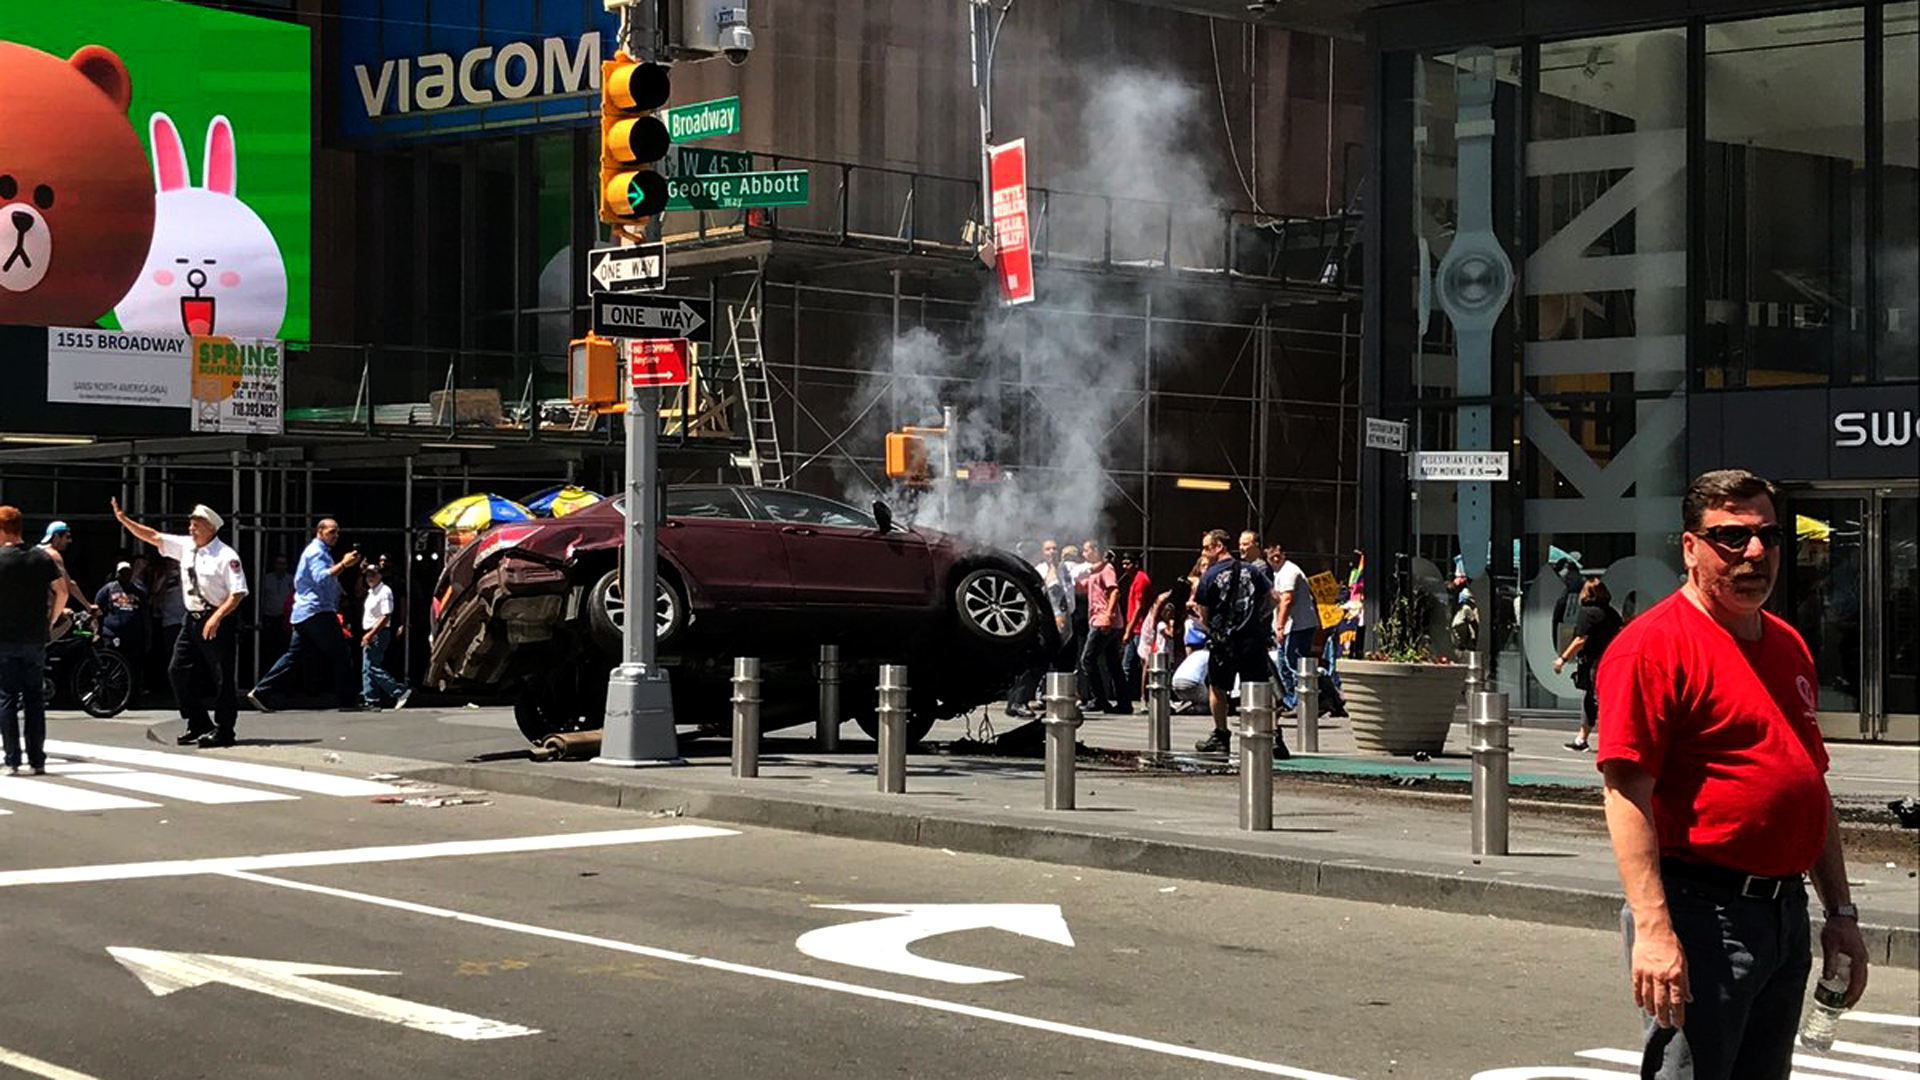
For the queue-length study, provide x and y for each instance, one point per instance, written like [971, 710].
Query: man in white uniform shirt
[212, 584]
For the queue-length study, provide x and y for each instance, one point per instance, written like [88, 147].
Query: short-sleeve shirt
[379, 603]
[208, 575]
[315, 592]
[1728, 730]
[1239, 605]
[1101, 587]
[122, 604]
[25, 575]
[1301, 614]
[1596, 626]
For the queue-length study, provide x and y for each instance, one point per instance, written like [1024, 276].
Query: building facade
[1628, 243]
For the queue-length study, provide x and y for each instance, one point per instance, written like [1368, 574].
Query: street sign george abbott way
[659, 363]
[1458, 465]
[628, 269]
[653, 317]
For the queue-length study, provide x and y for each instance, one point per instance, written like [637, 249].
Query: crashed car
[535, 610]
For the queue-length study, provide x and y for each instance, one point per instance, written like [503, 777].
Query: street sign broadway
[718, 117]
[653, 317]
[1386, 434]
[786, 188]
[1463, 465]
[628, 269]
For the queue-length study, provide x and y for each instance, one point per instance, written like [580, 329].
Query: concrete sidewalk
[1386, 844]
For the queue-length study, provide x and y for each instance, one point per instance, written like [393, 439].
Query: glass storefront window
[1786, 198]
[1605, 359]
[1899, 351]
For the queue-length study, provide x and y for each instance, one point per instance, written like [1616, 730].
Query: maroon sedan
[535, 609]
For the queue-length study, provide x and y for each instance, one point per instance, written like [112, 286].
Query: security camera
[710, 28]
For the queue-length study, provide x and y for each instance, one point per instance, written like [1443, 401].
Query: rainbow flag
[1358, 576]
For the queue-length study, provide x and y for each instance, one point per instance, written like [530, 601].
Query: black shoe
[1338, 712]
[1219, 742]
[1280, 751]
[216, 739]
[1019, 712]
[191, 738]
[1122, 710]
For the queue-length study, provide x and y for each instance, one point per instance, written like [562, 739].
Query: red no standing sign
[1007, 170]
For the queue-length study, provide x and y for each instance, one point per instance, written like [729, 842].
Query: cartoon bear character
[76, 203]
[213, 266]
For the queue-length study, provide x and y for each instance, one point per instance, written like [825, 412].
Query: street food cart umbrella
[470, 513]
[563, 500]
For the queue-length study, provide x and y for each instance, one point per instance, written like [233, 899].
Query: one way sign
[649, 317]
[628, 269]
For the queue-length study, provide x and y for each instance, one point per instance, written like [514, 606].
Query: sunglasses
[1737, 537]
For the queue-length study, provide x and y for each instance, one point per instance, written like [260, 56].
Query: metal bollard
[1061, 718]
[1256, 755]
[1306, 712]
[1159, 705]
[826, 727]
[746, 716]
[893, 728]
[1487, 738]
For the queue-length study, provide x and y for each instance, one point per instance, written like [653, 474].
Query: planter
[1401, 708]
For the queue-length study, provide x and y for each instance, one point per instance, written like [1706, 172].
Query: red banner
[659, 362]
[1007, 171]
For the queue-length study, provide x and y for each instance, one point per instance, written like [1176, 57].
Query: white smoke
[1051, 391]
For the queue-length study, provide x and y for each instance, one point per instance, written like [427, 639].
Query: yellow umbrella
[473, 512]
[570, 498]
[1806, 528]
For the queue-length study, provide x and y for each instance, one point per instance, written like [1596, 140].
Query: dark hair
[1722, 487]
[1595, 593]
[1219, 536]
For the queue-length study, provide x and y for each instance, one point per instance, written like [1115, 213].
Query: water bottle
[1829, 1001]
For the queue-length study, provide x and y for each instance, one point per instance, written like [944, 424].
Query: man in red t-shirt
[1717, 802]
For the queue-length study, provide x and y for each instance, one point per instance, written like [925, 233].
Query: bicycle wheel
[103, 683]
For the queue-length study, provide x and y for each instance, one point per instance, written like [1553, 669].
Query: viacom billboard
[476, 64]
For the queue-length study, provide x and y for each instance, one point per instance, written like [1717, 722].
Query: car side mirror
[882, 516]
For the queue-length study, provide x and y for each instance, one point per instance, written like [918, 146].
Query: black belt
[1738, 882]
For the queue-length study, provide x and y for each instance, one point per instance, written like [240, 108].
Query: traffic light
[593, 372]
[906, 456]
[632, 138]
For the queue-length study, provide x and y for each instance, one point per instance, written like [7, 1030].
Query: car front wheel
[607, 611]
[993, 606]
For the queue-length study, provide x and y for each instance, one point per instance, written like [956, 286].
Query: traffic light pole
[639, 726]
[980, 33]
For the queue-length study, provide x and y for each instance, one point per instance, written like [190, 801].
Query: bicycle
[101, 677]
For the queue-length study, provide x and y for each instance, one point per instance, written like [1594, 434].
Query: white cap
[122, 565]
[206, 514]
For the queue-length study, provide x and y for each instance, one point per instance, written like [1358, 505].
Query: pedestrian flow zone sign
[1464, 465]
[653, 317]
[628, 269]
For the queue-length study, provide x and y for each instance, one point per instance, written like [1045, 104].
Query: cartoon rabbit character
[214, 267]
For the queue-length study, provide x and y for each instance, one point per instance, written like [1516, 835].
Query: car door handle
[796, 530]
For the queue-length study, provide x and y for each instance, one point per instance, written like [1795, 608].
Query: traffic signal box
[906, 456]
[632, 139]
[594, 373]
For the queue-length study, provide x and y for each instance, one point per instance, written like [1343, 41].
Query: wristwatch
[1844, 911]
[1473, 284]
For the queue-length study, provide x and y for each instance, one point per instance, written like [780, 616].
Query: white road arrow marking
[165, 972]
[881, 944]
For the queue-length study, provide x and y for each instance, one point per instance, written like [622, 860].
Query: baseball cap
[54, 528]
[206, 514]
[122, 565]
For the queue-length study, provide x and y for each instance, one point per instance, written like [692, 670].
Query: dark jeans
[376, 686]
[22, 666]
[1100, 667]
[320, 635]
[193, 655]
[1747, 966]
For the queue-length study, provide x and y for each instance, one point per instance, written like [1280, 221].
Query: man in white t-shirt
[1296, 619]
[377, 688]
[212, 584]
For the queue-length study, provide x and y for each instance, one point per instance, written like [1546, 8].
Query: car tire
[103, 683]
[917, 726]
[993, 607]
[606, 611]
[570, 699]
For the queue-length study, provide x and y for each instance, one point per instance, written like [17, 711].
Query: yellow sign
[1326, 596]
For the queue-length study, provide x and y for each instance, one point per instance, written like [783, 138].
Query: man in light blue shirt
[317, 629]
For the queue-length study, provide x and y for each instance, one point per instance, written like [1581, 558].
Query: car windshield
[799, 508]
[705, 503]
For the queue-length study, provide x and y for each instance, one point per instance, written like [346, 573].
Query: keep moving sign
[229, 385]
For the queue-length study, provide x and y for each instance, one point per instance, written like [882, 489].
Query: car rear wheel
[993, 606]
[570, 699]
[607, 611]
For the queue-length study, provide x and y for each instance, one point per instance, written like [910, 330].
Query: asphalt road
[528, 939]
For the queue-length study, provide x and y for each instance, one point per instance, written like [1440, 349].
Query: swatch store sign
[1842, 433]
[477, 65]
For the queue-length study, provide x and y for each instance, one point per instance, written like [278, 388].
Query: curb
[1341, 879]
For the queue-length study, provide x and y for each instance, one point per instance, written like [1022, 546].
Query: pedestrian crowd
[174, 613]
[1243, 612]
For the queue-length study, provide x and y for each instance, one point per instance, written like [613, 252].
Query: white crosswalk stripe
[73, 785]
